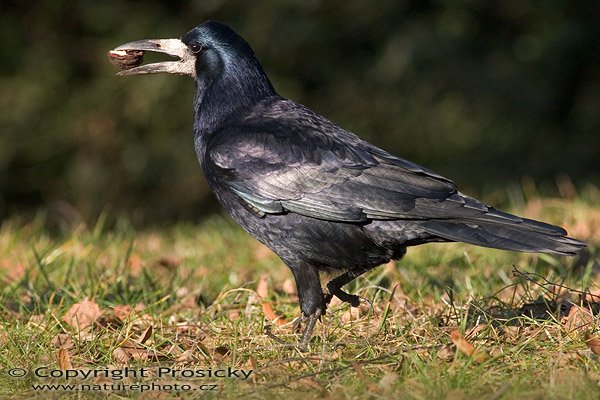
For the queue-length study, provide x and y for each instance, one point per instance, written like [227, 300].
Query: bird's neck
[228, 96]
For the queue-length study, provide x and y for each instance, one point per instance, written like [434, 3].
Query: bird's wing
[322, 171]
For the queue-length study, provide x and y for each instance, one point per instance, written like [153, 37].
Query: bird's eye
[195, 48]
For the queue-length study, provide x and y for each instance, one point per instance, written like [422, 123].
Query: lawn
[172, 306]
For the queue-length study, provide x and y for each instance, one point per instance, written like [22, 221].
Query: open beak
[185, 63]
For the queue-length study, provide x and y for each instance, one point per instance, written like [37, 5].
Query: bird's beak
[184, 65]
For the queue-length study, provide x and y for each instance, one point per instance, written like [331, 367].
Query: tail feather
[527, 236]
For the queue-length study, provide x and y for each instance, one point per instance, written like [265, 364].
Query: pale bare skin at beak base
[130, 54]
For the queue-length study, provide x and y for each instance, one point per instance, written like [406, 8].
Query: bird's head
[227, 73]
[206, 52]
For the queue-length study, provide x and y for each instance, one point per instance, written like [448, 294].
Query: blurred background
[487, 93]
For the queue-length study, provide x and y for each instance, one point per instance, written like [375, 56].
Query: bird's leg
[310, 294]
[334, 288]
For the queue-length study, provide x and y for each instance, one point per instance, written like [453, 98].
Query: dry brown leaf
[142, 321]
[64, 361]
[145, 335]
[351, 314]
[186, 357]
[289, 287]
[263, 289]
[169, 262]
[121, 356]
[355, 313]
[578, 321]
[593, 343]
[11, 271]
[446, 353]
[360, 372]
[511, 332]
[173, 351]
[222, 351]
[135, 351]
[63, 340]
[263, 286]
[135, 264]
[82, 315]
[565, 359]
[465, 347]
[122, 311]
[310, 382]
[252, 363]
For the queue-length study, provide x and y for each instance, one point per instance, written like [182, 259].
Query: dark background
[486, 93]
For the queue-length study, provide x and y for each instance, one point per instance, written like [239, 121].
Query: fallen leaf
[360, 372]
[11, 271]
[186, 357]
[64, 361]
[135, 264]
[565, 359]
[351, 314]
[82, 315]
[289, 287]
[465, 347]
[135, 351]
[63, 340]
[263, 286]
[222, 351]
[578, 320]
[169, 262]
[122, 311]
[121, 356]
[593, 343]
[304, 382]
[145, 335]
[511, 332]
[446, 353]
[263, 289]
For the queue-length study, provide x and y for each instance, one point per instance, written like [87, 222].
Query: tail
[501, 230]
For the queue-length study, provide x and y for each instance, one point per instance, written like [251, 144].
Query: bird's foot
[311, 320]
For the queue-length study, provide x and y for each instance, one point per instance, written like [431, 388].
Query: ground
[449, 321]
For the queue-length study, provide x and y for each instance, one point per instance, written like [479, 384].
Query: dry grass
[448, 322]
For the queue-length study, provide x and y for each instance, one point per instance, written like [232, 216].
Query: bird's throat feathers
[229, 87]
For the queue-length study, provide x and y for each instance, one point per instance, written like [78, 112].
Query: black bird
[317, 195]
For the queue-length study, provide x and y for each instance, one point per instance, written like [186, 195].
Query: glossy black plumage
[319, 196]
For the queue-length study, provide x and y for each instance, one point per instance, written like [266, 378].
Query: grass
[185, 297]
